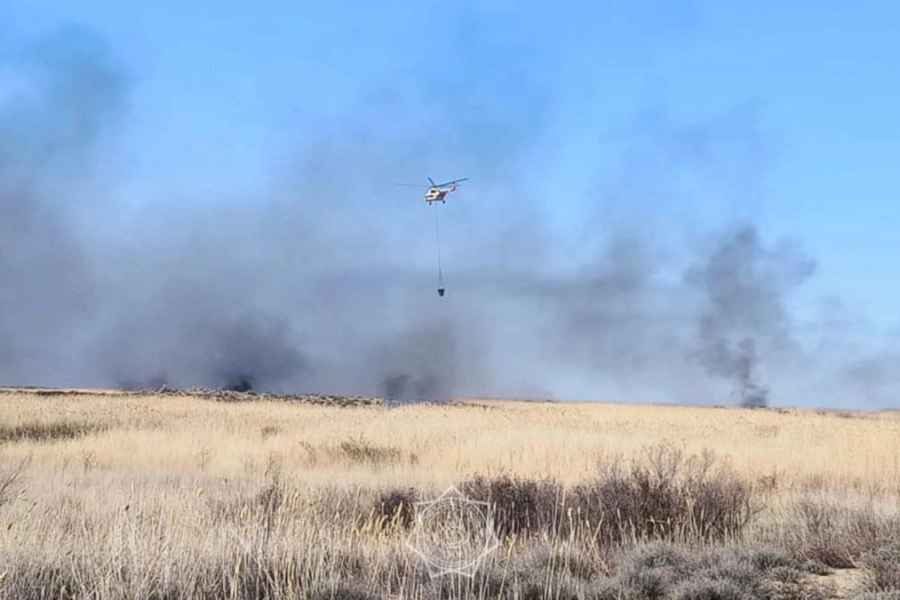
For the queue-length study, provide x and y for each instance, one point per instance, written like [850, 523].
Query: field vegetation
[177, 495]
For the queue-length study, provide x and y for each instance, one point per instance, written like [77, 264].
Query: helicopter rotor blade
[452, 182]
[431, 181]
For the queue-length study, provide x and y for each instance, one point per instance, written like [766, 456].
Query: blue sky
[800, 99]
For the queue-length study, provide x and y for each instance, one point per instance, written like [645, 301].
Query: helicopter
[438, 191]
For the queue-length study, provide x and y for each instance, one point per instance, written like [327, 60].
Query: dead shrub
[268, 431]
[828, 531]
[49, 432]
[667, 496]
[396, 506]
[361, 451]
[519, 506]
[356, 451]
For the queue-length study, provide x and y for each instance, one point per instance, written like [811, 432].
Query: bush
[654, 570]
[673, 497]
[519, 506]
[834, 534]
[667, 496]
[883, 565]
[396, 506]
[663, 570]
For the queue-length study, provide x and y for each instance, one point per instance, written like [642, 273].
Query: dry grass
[174, 496]
[795, 449]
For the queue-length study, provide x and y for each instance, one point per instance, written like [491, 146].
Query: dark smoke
[744, 288]
[50, 135]
[736, 363]
[403, 387]
[421, 364]
[242, 353]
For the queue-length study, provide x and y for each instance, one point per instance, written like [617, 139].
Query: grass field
[116, 495]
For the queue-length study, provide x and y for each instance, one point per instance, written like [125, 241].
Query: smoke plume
[50, 132]
[744, 287]
[324, 281]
